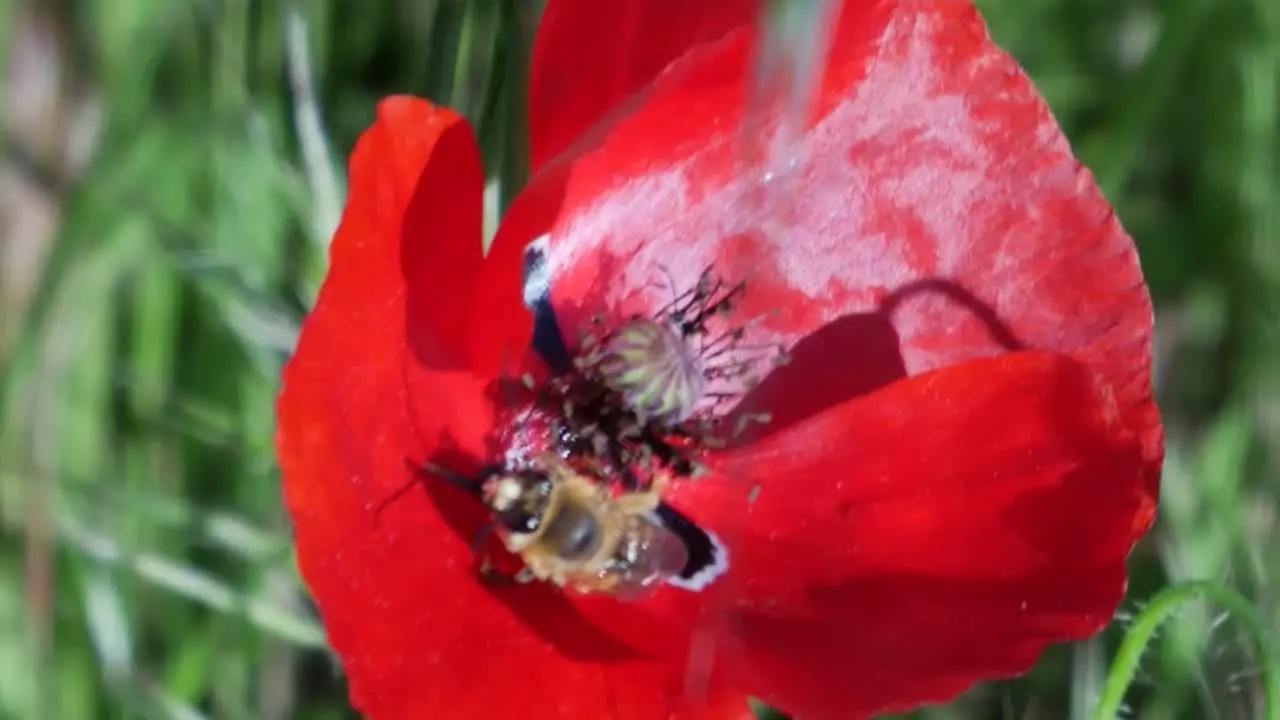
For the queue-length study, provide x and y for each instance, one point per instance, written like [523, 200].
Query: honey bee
[575, 533]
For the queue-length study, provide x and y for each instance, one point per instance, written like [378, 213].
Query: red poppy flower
[962, 449]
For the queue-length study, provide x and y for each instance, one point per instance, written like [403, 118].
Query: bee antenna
[400, 491]
[449, 476]
[419, 472]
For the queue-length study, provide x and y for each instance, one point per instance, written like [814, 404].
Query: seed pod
[653, 368]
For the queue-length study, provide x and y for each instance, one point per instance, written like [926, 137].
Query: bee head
[519, 499]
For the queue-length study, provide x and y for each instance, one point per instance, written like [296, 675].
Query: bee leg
[630, 482]
[487, 573]
[482, 536]
[490, 575]
[638, 502]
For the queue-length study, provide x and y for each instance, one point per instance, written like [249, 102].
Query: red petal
[588, 56]
[505, 324]
[418, 635]
[433, 218]
[912, 541]
[935, 201]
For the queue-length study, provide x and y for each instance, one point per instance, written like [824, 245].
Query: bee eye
[521, 522]
[574, 533]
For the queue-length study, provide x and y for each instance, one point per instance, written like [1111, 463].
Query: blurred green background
[171, 172]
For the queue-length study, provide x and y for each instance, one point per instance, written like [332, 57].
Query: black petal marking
[548, 341]
[708, 557]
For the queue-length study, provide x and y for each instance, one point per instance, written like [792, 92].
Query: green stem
[1160, 609]
[517, 31]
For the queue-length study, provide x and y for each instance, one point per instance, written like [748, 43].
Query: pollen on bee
[504, 494]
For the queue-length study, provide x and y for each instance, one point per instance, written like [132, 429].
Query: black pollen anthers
[710, 297]
[598, 428]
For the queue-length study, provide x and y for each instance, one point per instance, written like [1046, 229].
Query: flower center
[641, 404]
[646, 398]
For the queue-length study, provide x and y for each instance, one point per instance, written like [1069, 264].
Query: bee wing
[648, 555]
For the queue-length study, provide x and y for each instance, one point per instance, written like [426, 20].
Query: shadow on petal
[851, 356]
[440, 240]
[845, 358]
[952, 291]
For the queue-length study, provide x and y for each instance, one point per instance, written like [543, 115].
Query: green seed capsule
[652, 366]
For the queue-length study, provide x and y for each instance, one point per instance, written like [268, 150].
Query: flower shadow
[850, 356]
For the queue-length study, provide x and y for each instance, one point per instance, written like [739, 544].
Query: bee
[575, 533]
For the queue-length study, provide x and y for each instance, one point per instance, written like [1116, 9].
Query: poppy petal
[895, 549]
[504, 324]
[588, 61]
[393, 573]
[932, 198]
[439, 212]
[589, 56]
